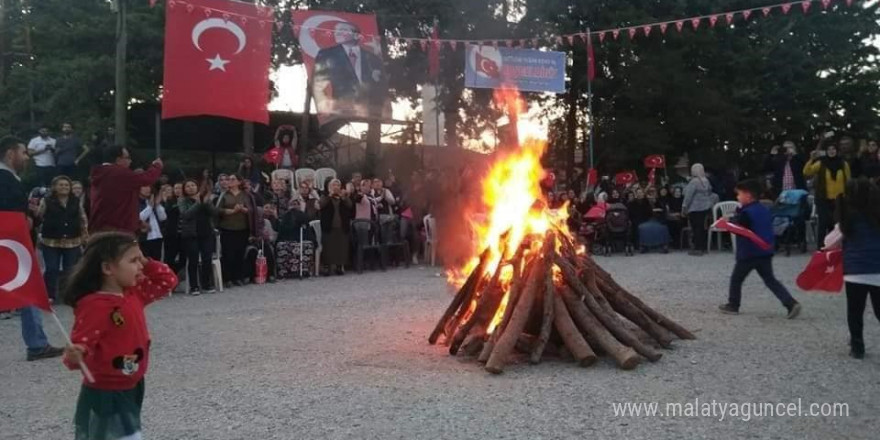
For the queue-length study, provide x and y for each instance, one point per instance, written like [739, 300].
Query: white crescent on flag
[24, 265]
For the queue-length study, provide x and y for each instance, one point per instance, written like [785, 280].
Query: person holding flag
[22, 291]
[755, 252]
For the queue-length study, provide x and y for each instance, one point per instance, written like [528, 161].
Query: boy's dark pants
[764, 266]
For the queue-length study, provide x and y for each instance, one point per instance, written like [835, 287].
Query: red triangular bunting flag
[729, 17]
[632, 33]
[712, 20]
[646, 30]
[695, 22]
[601, 37]
[663, 27]
[785, 8]
[825, 4]
[615, 33]
[679, 25]
[805, 5]
[747, 13]
[766, 11]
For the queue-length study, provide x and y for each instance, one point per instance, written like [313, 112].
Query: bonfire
[530, 287]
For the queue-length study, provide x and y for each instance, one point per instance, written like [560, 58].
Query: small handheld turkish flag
[21, 284]
[625, 177]
[723, 225]
[823, 273]
[217, 65]
[655, 161]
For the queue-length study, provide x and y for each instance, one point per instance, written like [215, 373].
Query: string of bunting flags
[265, 17]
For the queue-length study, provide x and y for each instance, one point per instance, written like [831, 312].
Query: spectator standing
[251, 173]
[13, 197]
[280, 196]
[42, 150]
[67, 149]
[115, 190]
[236, 226]
[197, 235]
[697, 203]
[336, 213]
[869, 160]
[152, 214]
[831, 172]
[64, 232]
[171, 226]
[787, 167]
[675, 219]
[858, 232]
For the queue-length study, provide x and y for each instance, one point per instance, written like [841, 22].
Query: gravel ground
[347, 358]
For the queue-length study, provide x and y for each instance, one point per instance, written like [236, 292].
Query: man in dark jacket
[115, 191]
[67, 149]
[787, 167]
[13, 197]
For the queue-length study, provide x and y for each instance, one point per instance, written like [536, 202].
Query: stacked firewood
[558, 301]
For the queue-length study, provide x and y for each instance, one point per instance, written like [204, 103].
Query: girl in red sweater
[109, 289]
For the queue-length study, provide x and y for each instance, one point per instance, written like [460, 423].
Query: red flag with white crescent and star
[655, 161]
[625, 177]
[21, 284]
[217, 66]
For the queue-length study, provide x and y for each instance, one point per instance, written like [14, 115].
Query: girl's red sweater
[114, 330]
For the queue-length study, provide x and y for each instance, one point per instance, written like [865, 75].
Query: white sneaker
[211, 290]
[195, 292]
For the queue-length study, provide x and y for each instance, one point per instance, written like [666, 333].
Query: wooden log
[509, 335]
[634, 314]
[474, 343]
[571, 337]
[656, 316]
[488, 302]
[546, 317]
[466, 291]
[625, 357]
[609, 320]
[521, 271]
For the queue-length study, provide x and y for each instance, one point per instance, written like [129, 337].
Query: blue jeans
[32, 329]
[55, 258]
[764, 267]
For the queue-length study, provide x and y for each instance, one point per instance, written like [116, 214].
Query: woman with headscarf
[831, 172]
[336, 213]
[697, 203]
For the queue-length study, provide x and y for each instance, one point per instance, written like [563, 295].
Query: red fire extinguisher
[262, 268]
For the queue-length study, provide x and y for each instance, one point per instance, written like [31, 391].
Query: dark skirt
[335, 248]
[109, 415]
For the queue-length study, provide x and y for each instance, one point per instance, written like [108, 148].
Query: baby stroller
[592, 228]
[617, 229]
[790, 214]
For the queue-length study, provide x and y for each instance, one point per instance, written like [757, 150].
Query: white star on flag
[217, 63]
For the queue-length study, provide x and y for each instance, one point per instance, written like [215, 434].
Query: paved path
[347, 358]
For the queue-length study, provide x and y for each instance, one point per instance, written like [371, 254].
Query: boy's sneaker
[794, 310]
[211, 290]
[728, 309]
[195, 292]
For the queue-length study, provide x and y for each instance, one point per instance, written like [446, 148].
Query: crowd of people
[657, 215]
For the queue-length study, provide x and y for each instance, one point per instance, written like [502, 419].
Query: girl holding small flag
[109, 289]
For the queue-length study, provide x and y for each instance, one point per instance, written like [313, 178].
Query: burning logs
[548, 299]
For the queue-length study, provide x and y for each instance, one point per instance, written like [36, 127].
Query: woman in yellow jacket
[831, 172]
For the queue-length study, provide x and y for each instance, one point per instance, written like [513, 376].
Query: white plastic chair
[721, 209]
[316, 226]
[430, 239]
[321, 175]
[283, 174]
[304, 173]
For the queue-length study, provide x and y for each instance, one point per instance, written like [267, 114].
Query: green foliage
[724, 94]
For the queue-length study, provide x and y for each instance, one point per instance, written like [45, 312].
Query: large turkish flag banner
[217, 56]
[21, 284]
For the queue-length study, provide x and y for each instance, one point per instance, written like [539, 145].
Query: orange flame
[513, 204]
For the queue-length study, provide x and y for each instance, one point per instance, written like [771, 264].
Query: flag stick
[82, 365]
